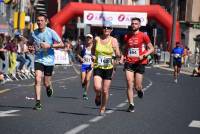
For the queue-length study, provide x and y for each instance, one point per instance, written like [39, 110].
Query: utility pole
[173, 35]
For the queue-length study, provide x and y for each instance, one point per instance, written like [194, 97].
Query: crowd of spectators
[16, 58]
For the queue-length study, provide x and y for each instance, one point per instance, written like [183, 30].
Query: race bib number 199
[104, 61]
[133, 52]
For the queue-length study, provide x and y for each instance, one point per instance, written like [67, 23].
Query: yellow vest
[103, 54]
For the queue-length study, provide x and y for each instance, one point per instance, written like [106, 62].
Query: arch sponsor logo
[90, 16]
[117, 18]
[121, 17]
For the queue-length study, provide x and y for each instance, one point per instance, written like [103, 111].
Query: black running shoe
[98, 100]
[49, 91]
[131, 108]
[140, 93]
[38, 106]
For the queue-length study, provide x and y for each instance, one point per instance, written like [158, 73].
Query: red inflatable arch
[74, 9]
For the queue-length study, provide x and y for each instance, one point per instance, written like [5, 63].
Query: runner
[85, 56]
[103, 67]
[138, 47]
[177, 53]
[44, 40]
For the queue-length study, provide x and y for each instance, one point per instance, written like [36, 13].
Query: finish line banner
[117, 18]
[61, 57]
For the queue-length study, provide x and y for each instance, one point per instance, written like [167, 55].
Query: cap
[89, 35]
[107, 24]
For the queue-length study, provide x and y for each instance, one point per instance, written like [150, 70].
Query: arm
[115, 45]
[77, 52]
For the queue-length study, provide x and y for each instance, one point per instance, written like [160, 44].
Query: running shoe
[175, 80]
[102, 112]
[140, 93]
[131, 108]
[38, 106]
[85, 97]
[49, 91]
[98, 100]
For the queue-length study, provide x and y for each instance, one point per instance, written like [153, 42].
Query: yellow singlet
[103, 53]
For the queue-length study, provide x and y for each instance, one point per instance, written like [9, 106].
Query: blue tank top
[177, 53]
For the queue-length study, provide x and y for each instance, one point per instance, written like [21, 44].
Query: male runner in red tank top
[138, 47]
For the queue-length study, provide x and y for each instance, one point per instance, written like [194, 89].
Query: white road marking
[195, 123]
[98, 118]
[77, 129]
[15, 86]
[163, 74]
[5, 90]
[109, 111]
[170, 69]
[121, 105]
[8, 113]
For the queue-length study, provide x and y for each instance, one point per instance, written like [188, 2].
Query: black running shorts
[136, 68]
[46, 69]
[105, 74]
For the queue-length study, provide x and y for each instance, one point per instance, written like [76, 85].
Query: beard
[135, 29]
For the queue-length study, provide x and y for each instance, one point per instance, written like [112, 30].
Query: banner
[117, 18]
[61, 57]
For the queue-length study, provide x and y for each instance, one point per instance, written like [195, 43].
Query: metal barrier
[9, 75]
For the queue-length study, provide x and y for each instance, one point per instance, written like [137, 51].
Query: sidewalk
[184, 70]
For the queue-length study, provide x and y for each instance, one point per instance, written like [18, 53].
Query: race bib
[177, 56]
[104, 61]
[133, 52]
[87, 59]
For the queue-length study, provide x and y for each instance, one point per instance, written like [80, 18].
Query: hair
[42, 15]
[136, 18]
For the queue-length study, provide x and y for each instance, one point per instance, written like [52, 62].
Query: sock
[37, 101]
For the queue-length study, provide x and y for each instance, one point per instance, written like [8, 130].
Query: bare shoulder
[114, 42]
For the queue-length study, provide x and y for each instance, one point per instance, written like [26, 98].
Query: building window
[182, 10]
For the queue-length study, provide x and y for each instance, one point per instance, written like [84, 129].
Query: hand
[141, 57]
[121, 61]
[45, 45]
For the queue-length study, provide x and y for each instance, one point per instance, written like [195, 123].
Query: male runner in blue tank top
[177, 53]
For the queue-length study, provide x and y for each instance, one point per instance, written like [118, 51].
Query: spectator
[196, 71]
[11, 46]
[21, 53]
[157, 54]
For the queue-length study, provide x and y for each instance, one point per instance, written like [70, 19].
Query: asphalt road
[167, 107]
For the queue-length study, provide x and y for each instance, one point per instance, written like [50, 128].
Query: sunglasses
[107, 28]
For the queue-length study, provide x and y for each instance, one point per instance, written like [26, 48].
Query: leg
[38, 79]
[47, 81]
[88, 77]
[48, 70]
[97, 84]
[138, 84]
[105, 95]
[175, 73]
[97, 89]
[83, 77]
[129, 80]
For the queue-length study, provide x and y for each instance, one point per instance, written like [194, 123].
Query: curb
[165, 67]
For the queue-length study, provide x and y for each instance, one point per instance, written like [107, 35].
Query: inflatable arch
[74, 9]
